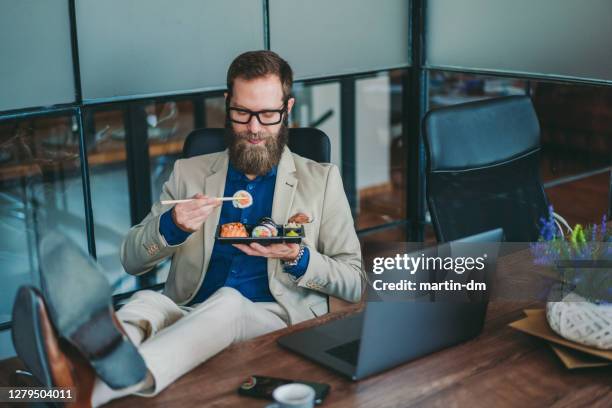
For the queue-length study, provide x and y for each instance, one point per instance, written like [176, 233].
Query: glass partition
[318, 105]
[110, 195]
[381, 160]
[41, 189]
[450, 88]
[214, 111]
[576, 141]
[35, 54]
[169, 123]
[548, 38]
[154, 47]
[323, 38]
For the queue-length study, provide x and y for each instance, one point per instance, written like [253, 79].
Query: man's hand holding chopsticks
[190, 216]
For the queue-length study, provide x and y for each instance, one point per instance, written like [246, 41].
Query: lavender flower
[593, 242]
[548, 227]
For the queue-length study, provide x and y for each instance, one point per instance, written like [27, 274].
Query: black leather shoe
[79, 301]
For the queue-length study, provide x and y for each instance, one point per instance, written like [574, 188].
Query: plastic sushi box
[280, 238]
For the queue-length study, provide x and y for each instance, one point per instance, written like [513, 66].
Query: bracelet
[291, 264]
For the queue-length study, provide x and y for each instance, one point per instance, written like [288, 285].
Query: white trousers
[174, 339]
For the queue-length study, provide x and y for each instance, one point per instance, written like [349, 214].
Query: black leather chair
[311, 143]
[483, 169]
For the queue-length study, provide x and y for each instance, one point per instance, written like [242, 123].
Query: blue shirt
[228, 265]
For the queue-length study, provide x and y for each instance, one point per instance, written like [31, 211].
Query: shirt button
[244, 221]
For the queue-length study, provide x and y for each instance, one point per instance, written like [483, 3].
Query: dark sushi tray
[281, 238]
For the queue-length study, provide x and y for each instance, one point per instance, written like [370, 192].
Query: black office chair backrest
[483, 169]
[307, 142]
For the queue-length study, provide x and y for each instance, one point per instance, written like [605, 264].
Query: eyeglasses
[265, 117]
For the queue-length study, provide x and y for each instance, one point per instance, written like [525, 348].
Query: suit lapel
[214, 187]
[284, 192]
[284, 189]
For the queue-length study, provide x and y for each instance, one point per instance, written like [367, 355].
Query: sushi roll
[270, 224]
[242, 199]
[265, 228]
[261, 231]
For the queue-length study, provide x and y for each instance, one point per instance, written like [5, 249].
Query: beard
[256, 159]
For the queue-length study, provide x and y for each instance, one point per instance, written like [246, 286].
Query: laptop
[387, 334]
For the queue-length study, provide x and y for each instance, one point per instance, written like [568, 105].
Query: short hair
[257, 64]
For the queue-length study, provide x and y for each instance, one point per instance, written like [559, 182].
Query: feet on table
[67, 333]
[53, 362]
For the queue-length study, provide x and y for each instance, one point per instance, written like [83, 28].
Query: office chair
[311, 143]
[483, 169]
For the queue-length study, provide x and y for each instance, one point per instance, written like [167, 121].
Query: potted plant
[579, 305]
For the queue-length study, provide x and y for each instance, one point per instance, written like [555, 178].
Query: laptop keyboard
[347, 352]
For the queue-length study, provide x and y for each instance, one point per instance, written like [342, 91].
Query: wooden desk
[500, 368]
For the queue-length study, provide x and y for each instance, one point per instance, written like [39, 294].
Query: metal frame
[348, 156]
[415, 106]
[32, 113]
[356, 75]
[382, 227]
[137, 160]
[89, 221]
[519, 74]
[74, 45]
[266, 23]
[576, 177]
[199, 113]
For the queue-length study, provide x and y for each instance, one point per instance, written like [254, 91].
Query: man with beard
[218, 294]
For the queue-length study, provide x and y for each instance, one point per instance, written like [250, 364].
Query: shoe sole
[78, 298]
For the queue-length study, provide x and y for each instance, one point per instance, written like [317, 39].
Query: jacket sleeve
[144, 246]
[335, 266]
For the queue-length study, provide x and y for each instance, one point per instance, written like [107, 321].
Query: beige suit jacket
[302, 185]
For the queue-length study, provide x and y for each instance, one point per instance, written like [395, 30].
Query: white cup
[293, 395]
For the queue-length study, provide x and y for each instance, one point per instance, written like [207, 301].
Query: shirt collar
[236, 175]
